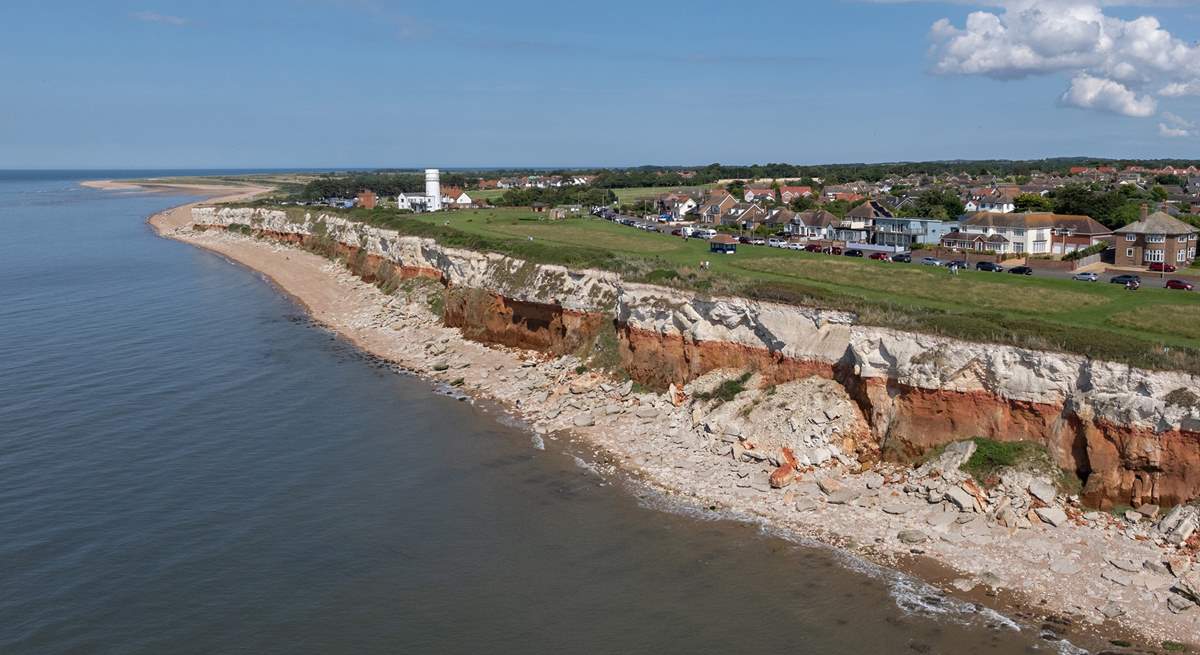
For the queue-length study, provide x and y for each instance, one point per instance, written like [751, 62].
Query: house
[1156, 238]
[677, 205]
[1040, 233]
[759, 195]
[904, 232]
[746, 216]
[815, 224]
[714, 205]
[1001, 200]
[415, 202]
[779, 218]
[367, 199]
[583, 180]
[859, 222]
[453, 196]
[790, 193]
[566, 211]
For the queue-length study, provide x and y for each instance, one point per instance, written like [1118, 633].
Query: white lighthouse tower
[433, 189]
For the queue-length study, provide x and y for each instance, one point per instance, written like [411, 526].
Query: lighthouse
[433, 189]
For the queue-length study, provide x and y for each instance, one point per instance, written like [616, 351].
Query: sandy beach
[1076, 581]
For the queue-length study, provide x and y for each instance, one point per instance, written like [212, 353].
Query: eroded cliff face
[1134, 435]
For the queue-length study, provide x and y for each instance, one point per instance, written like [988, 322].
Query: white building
[430, 201]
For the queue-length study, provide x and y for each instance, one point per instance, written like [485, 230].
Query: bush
[1085, 252]
[726, 391]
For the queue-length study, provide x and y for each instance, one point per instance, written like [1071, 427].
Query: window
[1131, 237]
[1039, 246]
[1153, 256]
[1156, 238]
[1182, 238]
[1129, 253]
[1181, 256]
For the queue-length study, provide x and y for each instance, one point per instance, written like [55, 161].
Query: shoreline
[407, 334]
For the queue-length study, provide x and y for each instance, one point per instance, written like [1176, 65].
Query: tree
[1033, 202]
[935, 203]
[803, 203]
[1158, 193]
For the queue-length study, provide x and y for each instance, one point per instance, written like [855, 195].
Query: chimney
[1145, 210]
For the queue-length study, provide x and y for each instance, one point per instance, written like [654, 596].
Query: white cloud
[155, 17]
[1111, 61]
[1087, 92]
[1175, 126]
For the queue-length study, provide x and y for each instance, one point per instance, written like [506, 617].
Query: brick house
[1156, 238]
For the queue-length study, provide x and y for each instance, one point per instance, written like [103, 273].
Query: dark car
[853, 252]
[833, 250]
[745, 240]
[812, 247]
[1159, 267]
[880, 256]
[1021, 270]
[1178, 284]
[957, 263]
[903, 258]
[991, 267]
[1125, 279]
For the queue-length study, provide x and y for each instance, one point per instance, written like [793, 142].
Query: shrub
[726, 391]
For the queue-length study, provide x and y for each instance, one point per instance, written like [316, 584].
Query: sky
[379, 83]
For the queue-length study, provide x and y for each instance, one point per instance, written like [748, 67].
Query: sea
[189, 465]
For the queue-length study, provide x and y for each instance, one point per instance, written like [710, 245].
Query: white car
[776, 243]
[1085, 277]
[932, 261]
[705, 234]
[795, 245]
[758, 242]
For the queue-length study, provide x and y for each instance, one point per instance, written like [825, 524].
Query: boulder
[842, 496]
[625, 389]
[829, 485]
[896, 508]
[951, 459]
[964, 501]
[912, 537]
[646, 412]
[1064, 566]
[1179, 524]
[782, 476]
[873, 480]
[1149, 511]
[1128, 565]
[584, 420]
[1052, 515]
[1043, 491]
[1188, 585]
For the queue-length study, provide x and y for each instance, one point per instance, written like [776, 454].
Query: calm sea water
[188, 466]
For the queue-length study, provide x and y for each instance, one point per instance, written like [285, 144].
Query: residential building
[903, 232]
[367, 199]
[714, 205]
[759, 195]
[416, 202]
[1156, 238]
[746, 216]
[455, 197]
[790, 193]
[677, 205]
[815, 224]
[1039, 233]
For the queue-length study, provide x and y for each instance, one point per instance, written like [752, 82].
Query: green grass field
[625, 196]
[1152, 327]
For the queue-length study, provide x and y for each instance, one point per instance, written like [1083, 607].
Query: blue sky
[376, 83]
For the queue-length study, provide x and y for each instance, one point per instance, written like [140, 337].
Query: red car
[1178, 284]
[1159, 267]
[881, 256]
[812, 247]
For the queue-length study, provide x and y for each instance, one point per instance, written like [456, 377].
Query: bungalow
[746, 216]
[453, 196]
[759, 195]
[1156, 238]
[790, 193]
[1039, 233]
[815, 224]
[677, 205]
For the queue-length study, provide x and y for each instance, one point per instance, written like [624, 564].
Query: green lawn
[1152, 327]
[625, 196]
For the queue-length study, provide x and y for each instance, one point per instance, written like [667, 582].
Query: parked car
[1160, 267]
[776, 243]
[853, 252]
[833, 250]
[677, 232]
[758, 241]
[1021, 270]
[795, 245]
[991, 267]
[1125, 279]
[705, 233]
[1178, 284]
[744, 239]
[903, 258]
[932, 261]
[1085, 277]
[958, 263]
[812, 247]
[880, 256]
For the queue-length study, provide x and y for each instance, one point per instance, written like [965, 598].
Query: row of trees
[570, 195]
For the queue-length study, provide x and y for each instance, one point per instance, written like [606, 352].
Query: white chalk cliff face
[1138, 427]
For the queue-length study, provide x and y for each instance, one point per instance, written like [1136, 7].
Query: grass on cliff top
[1153, 328]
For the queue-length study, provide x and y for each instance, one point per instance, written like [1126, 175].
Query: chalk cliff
[1133, 434]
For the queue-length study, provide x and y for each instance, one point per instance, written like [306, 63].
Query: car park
[932, 261]
[853, 252]
[880, 256]
[1160, 267]
[1085, 277]
[991, 267]
[1125, 279]
[1178, 284]
[1021, 270]
[903, 258]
